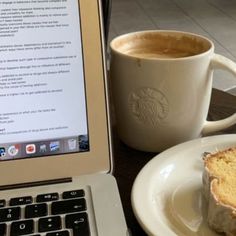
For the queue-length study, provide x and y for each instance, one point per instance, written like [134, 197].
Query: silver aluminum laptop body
[54, 121]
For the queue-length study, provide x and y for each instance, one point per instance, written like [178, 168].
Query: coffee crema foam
[155, 54]
[161, 45]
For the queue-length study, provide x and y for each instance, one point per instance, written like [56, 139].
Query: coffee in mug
[161, 87]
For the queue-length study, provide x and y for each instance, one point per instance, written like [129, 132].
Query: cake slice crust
[219, 181]
[222, 167]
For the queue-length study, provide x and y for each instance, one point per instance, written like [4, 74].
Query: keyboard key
[50, 224]
[47, 197]
[2, 203]
[59, 233]
[73, 194]
[22, 227]
[3, 228]
[79, 223]
[21, 201]
[68, 206]
[36, 210]
[9, 214]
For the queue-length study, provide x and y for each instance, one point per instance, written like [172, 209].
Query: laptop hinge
[35, 184]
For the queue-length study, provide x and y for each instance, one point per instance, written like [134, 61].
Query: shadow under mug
[161, 85]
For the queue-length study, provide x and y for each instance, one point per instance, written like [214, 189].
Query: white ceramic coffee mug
[161, 85]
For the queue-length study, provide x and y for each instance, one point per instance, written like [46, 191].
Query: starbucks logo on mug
[149, 106]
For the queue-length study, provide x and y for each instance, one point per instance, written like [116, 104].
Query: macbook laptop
[55, 148]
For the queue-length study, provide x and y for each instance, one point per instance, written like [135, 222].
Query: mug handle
[221, 62]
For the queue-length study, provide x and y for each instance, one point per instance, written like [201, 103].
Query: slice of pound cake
[219, 182]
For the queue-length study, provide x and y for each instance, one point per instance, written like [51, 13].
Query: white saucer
[167, 193]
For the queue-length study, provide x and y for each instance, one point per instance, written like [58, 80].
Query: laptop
[55, 147]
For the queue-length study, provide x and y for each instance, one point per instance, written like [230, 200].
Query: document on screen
[42, 94]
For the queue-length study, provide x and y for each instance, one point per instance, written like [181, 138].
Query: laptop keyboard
[50, 214]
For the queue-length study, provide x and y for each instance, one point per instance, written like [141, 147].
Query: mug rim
[142, 32]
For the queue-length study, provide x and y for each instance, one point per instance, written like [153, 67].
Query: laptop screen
[42, 87]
